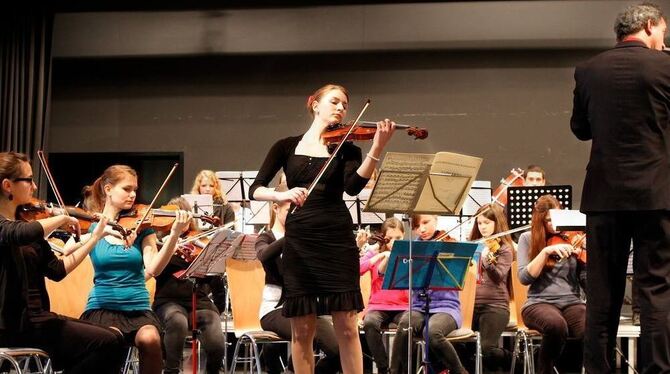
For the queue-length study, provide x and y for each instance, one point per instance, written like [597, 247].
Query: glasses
[26, 179]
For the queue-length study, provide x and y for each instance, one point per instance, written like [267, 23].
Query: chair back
[518, 297]
[246, 279]
[467, 296]
[69, 296]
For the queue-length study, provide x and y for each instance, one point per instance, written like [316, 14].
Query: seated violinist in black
[25, 259]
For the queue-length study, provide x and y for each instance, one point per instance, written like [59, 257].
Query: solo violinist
[320, 248]
[554, 275]
[445, 314]
[172, 304]
[491, 314]
[25, 259]
[119, 297]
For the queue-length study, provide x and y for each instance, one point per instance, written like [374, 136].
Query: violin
[494, 247]
[443, 236]
[192, 248]
[514, 179]
[38, 209]
[574, 238]
[141, 217]
[365, 130]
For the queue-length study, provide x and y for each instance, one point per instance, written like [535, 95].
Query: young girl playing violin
[25, 259]
[321, 276]
[172, 304]
[554, 306]
[269, 248]
[119, 297]
[385, 306]
[491, 314]
[206, 183]
[445, 315]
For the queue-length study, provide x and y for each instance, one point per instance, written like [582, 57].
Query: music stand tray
[435, 265]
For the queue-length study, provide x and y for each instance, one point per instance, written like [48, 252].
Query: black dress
[320, 258]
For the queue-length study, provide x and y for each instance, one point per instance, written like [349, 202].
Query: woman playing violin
[554, 306]
[491, 313]
[119, 297]
[25, 259]
[206, 183]
[385, 306]
[172, 304]
[445, 314]
[269, 247]
[322, 277]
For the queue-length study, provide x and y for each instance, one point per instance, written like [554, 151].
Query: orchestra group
[314, 259]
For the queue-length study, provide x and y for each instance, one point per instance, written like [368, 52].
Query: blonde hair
[94, 195]
[211, 176]
[318, 94]
[281, 187]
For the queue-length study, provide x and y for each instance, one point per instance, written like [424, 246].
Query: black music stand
[435, 266]
[207, 263]
[521, 200]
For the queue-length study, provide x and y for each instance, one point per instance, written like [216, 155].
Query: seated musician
[25, 259]
[534, 176]
[445, 316]
[385, 306]
[172, 304]
[554, 274]
[269, 247]
[206, 183]
[491, 314]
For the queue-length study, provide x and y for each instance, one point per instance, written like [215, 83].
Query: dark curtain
[25, 81]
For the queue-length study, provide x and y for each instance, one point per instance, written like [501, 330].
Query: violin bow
[206, 233]
[153, 201]
[52, 183]
[332, 155]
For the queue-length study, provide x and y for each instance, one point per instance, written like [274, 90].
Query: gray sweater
[558, 286]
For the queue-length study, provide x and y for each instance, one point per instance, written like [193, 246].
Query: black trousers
[491, 321]
[325, 340]
[176, 321]
[608, 242]
[74, 346]
[373, 323]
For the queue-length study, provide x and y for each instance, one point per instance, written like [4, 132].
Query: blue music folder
[448, 262]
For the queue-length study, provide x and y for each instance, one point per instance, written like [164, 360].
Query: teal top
[118, 282]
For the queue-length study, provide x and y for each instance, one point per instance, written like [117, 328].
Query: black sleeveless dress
[321, 262]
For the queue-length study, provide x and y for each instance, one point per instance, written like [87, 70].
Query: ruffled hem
[322, 304]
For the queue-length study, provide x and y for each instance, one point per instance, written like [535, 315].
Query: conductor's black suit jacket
[622, 103]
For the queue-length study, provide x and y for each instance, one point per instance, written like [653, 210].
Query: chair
[25, 361]
[524, 336]
[245, 283]
[132, 364]
[465, 333]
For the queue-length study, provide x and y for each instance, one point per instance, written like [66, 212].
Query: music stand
[220, 247]
[235, 184]
[411, 183]
[521, 200]
[435, 266]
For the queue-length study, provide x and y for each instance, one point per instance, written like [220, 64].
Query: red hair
[318, 94]
[94, 195]
[538, 230]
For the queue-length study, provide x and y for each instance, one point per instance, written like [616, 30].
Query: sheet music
[401, 178]
[451, 176]
[222, 246]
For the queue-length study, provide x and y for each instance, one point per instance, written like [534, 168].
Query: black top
[225, 212]
[268, 251]
[180, 291]
[622, 103]
[282, 155]
[25, 259]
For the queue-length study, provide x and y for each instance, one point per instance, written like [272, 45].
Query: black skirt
[128, 322]
[320, 260]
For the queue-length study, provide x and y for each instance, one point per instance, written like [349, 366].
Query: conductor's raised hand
[295, 195]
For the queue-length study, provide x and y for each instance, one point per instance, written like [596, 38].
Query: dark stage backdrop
[510, 107]
[73, 171]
